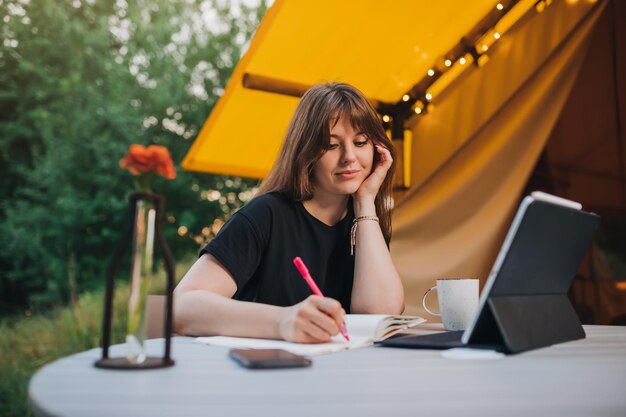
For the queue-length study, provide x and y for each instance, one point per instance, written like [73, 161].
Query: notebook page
[338, 343]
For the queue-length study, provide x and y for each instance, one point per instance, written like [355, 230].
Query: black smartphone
[268, 358]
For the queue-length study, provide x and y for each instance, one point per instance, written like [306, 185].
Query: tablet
[524, 303]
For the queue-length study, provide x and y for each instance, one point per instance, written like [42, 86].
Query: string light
[482, 60]
[386, 118]
[475, 47]
[540, 6]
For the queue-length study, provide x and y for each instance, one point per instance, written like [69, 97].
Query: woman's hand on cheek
[369, 188]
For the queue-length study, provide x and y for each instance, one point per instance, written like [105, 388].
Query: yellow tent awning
[383, 49]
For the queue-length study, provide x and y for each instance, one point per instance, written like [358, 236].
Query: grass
[28, 343]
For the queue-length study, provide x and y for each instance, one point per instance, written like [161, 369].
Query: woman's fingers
[330, 307]
[314, 320]
[315, 334]
[327, 322]
[385, 158]
[323, 314]
[372, 183]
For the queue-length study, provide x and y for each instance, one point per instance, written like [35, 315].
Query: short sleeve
[239, 247]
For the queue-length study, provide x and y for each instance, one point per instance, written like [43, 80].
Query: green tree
[79, 82]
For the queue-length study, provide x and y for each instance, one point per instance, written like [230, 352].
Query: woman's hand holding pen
[314, 320]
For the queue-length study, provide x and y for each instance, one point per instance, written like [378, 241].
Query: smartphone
[268, 358]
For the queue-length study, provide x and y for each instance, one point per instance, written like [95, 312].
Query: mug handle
[424, 301]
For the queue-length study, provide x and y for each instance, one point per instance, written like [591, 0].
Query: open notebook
[364, 330]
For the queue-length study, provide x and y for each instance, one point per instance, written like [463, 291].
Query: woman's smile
[348, 174]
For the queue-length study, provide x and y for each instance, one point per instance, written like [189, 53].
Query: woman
[333, 176]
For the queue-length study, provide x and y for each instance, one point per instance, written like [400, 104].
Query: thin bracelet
[355, 223]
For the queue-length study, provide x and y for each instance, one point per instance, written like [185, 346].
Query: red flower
[154, 159]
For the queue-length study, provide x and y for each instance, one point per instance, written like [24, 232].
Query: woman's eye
[332, 146]
[360, 143]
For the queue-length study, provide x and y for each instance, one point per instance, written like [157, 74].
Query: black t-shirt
[257, 246]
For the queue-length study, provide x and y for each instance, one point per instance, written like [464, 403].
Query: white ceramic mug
[458, 300]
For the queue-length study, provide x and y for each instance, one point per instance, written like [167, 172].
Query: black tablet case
[527, 306]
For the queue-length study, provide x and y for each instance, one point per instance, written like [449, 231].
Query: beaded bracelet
[355, 222]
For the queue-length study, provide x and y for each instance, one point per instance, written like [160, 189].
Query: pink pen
[304, 271]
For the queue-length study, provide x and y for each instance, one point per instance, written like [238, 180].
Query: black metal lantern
[135, 204]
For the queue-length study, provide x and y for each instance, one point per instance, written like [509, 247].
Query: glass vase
[143, 231]
[141, 275]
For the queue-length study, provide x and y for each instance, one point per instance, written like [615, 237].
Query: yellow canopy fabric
[382, 48]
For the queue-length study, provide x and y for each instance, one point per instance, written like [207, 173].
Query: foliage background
[80, 81]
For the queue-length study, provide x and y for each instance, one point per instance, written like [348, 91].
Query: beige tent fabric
[492, 126]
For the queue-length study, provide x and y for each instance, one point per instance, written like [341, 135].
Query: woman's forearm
[201, 313]
[377, 287]
[203, 306]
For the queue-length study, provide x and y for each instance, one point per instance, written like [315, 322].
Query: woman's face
[346, 163]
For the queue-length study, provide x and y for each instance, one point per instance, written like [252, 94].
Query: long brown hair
[308, 136]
